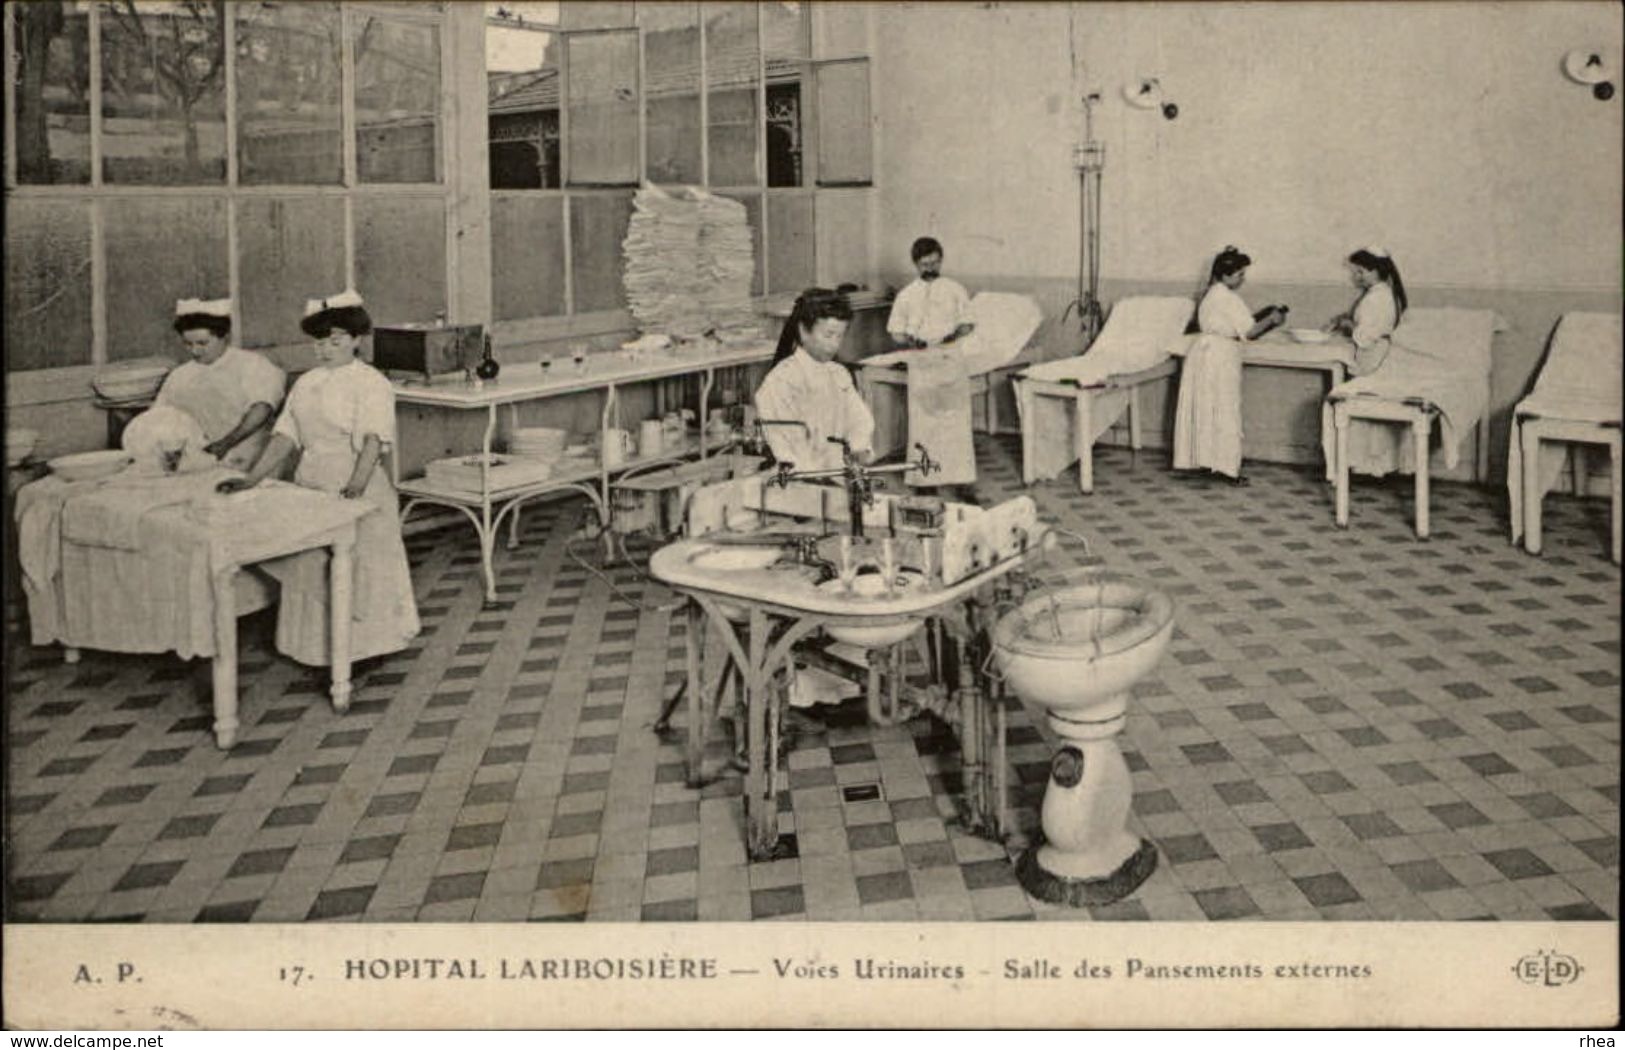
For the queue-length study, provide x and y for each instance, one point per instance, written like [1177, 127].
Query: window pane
[159, 250]
[602, 71]
[400, 257]
[790, 252]
[598, 225]
[731, 61]
[397, 100]
[289, 251]
[527, 256]
[785, 49]
[52, 99]
[48, 301]
[522, 100]
[671, 59]
[843, 124]
[592, 14]
[163, 93]
[753, 215]
[288, 129]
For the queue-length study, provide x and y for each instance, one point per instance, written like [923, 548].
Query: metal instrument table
[519, 383]
[761, 614]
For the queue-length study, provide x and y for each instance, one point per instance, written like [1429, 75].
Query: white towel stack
[689, 262]
[727, 262]
[662, 251]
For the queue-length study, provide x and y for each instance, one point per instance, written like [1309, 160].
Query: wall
[1445, 131]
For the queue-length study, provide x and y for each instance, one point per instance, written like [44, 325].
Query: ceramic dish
[1308, 335]
[90, 466]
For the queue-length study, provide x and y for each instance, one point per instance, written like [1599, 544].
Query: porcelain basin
[1077, 647]
[868, 588]
[734, 558]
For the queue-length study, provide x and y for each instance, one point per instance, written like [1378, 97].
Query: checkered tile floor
[1348, 725]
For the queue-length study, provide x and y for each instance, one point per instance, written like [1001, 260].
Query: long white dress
[1207, 421]
[1375, 317]
[219, 395]
[329, 414]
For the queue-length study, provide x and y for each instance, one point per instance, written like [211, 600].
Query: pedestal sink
[870, 587]
[1075, 652]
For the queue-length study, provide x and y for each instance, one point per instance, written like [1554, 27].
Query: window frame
[55, 383]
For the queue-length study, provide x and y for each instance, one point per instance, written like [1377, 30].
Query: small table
[782, 607]
[328, 521]
[274, 520]
[487, 507]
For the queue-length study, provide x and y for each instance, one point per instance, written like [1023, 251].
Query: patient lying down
[166, 440]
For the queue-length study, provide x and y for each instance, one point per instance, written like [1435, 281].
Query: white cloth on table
[1580, 382]
[1439, 355]
[329, 414]
[1141, 332]
[1207, 419]
[157, 598]
[112, 512]
[929, 310]
[821, 395]
[219, 395]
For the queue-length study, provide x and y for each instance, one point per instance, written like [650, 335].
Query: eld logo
[1548, 968]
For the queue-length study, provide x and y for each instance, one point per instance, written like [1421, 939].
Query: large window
[147, 160]
[586, 100]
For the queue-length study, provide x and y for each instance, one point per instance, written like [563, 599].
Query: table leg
[1529, 443]
[225, 658]
[705, 403]
[71, 654]
[761, 807]
[1026, 405]
[1340, 469]
[697, 721]
[487, 535]
[1577, 467]
[341, 585]
[1084, 440]
[1421, 427]
[1134, 418]
[1614, 489]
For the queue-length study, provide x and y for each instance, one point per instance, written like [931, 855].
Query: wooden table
[325, 521]
[1275, 350]
[273, 520]
[781, 606]
[494, 501]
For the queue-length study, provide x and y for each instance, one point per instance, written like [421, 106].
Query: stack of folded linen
[727, 261]
[662, 251]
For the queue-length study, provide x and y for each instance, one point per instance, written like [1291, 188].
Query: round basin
[1071, 649]
[734, 558]
[867, 588]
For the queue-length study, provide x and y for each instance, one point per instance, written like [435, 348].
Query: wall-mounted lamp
[1584, 66]
[1146, 93]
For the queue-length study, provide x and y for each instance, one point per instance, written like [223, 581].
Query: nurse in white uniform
[1376, 313]
[233, 394]
[341, 416]
[808, 385]
[1207, 423]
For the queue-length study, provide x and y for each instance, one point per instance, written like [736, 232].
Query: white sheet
[1142, 332]
[1440, 355]
[1004, 323]
[1580, 382]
